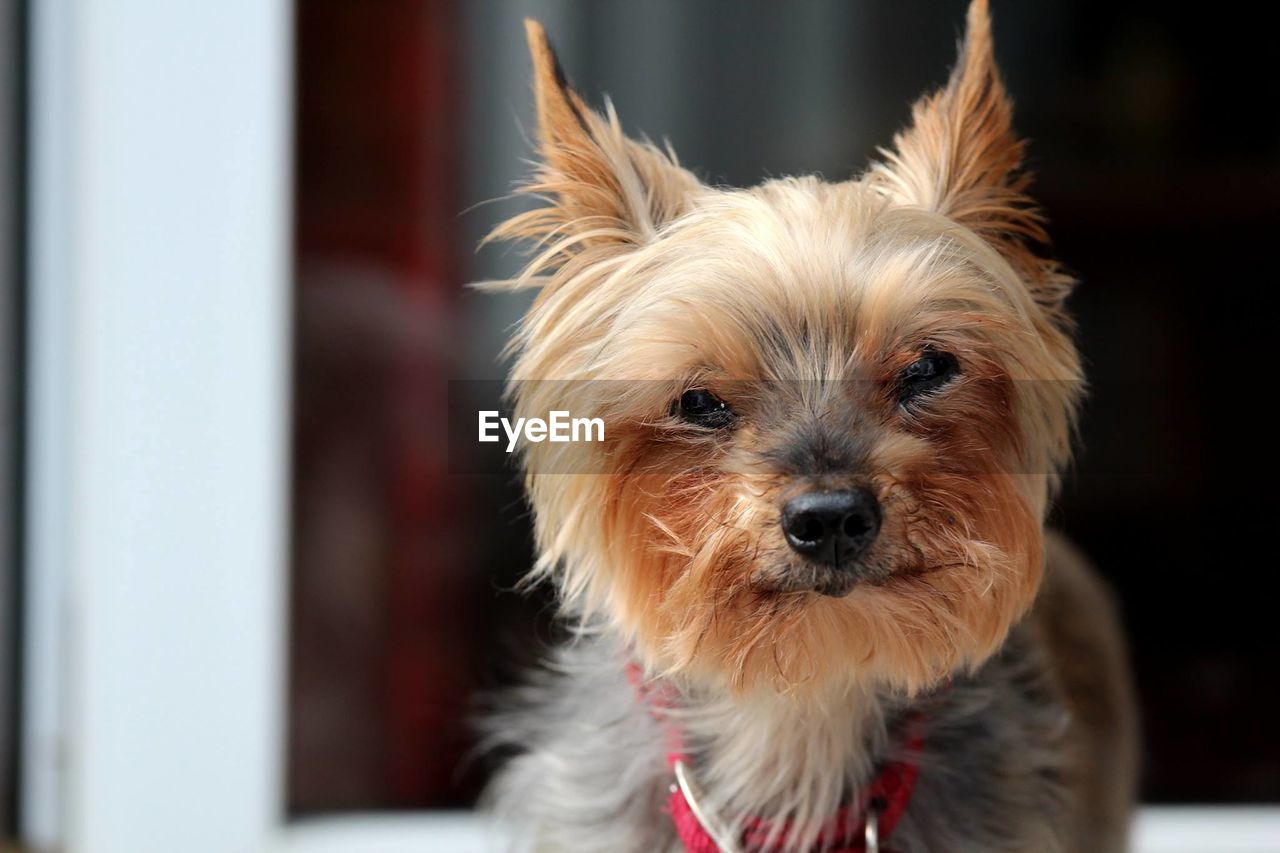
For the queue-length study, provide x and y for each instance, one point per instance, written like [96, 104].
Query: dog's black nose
[831, 527]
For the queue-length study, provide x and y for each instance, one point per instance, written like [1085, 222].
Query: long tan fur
[797, 302]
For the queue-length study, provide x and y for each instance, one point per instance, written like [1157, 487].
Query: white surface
[438, 832]
[1202, 829]
[159, 338]
[1157, 830]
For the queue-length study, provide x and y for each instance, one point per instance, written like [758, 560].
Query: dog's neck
[783, 758]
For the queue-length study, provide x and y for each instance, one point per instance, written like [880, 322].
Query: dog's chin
[817, 579]
[791, 577]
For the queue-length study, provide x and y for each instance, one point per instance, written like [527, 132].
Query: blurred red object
[383, 597]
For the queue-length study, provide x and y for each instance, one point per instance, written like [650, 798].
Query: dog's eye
[932, 370]
[700, 407]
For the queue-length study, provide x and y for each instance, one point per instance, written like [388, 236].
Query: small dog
[816, 605]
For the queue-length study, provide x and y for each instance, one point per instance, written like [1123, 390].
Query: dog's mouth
[819, 578]
[836, 584]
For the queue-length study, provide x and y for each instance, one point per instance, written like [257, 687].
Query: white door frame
[159, 307]
[158, 421]
[159, 296]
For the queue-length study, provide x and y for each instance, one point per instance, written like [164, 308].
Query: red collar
[846, 832]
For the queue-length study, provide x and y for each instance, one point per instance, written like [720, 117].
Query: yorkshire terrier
[816, 606]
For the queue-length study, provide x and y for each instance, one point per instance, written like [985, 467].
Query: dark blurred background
[1156, 146]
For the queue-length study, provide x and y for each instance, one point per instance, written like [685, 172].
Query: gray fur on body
[591, 772]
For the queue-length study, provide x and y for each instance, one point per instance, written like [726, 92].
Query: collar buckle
[722, 836]
[871, 834]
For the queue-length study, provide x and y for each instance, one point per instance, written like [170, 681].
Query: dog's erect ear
[604, 188]
[960, 157]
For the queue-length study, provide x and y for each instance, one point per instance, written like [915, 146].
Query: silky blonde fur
[797, 302]
[651, 282]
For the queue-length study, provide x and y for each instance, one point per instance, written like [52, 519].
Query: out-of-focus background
[1156, 158]
[151, 155]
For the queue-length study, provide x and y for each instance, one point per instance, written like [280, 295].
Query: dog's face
[834, 412]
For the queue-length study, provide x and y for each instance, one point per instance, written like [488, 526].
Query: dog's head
[834, 412]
